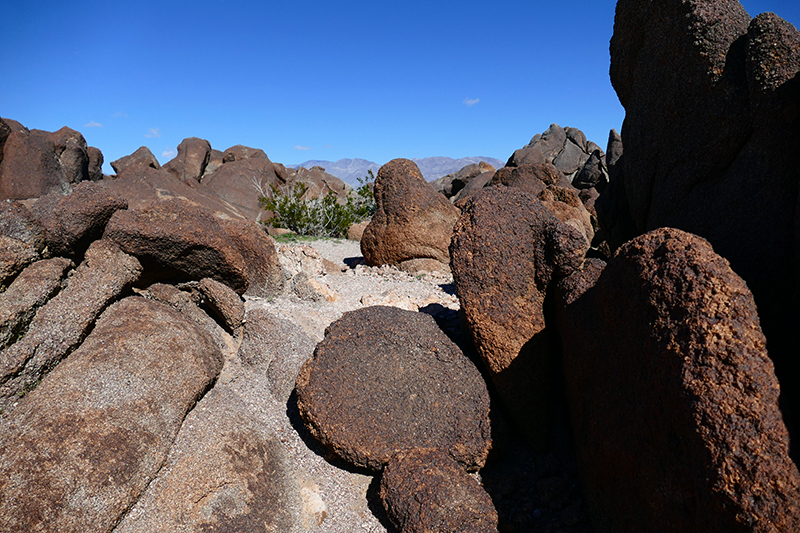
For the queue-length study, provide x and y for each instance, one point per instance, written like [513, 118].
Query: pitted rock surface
[385, 380]
[81, 448]
[424, 490]
[507, 248]
[412, 224]
[674, 401]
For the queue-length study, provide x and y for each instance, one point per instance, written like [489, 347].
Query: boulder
[241, 181]
[142, 157]
[262, 265]
[227, 471]
[37, 162]
[82, 447]
[673, 399]
[95, 165]
[75, 220]
[474, 185]
[451, 184]
[61, 325]
[708, 68]
[507, 248]
[191, 161]
[175, 240]
[30, 290]
[412, 224]
[385, 380]
[424, 490]
[22, 239]
[224, 304]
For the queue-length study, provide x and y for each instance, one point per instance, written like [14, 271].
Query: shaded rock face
[81, 448]
[142, 157]
[36, 162]
[175, 240]
[385, 380]
[425, 490]
[673, 398]
[706, 67]
[412, 224]
[22, 239]
[507, 248]
[452, 184]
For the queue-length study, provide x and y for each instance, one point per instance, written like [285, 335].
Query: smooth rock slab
[81, 448]
[385, 380]
[424, 490]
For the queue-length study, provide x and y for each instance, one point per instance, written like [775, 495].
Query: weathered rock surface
[708, 67]
[452, 184]
[37, 162]
[74, 220]
[60, 325]
[30, 290]
[263, 267]
[83, 446]
[175, 240]
[142, 157]
[385, 380]
[424, 490]
[673, 398]
[412, 225]
[507, 248]
[227, 471]
[191, 161]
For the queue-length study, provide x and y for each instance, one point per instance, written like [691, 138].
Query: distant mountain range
[350, 170]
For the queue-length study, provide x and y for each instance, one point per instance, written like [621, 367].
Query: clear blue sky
[307, 79]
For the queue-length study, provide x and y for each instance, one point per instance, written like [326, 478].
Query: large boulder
[36, 162]
[712, 122]
[22, 239]
[244, 176]
[191, 161]
[175, 240]
[82, 447]
[451, 184]
[385, 380]
[142, 157]
[412, 224]
[673, 399]
[507, 249]
[75, 220]
[424, 490]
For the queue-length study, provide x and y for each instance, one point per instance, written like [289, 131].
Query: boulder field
[582, 340]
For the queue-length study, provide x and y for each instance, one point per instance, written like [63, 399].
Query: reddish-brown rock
[191, 161]
[142, 157]
[424, 491]
[507, 248]
[262, 266]
[22, 239]
[385, 380]
[82, 447]
[412, 224]
[673, 399]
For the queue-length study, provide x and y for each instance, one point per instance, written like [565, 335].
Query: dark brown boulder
[176, 240]
[95, 164]
[507, 248]
[673, 399]
[241, 181]
[37, 162]
[706, 67]
[240, 153]
[385, 380]
[60, 325]
[223, 303]
[262, 267]
[423, 490]
[82, 447]
[142, 157]
[22, 239]
[452, 184]
[191, 161]
[412, 224]
[74, 221]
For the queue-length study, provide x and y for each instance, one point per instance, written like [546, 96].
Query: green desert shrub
[324, 216]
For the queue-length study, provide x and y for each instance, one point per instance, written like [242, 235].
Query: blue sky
[314, 80]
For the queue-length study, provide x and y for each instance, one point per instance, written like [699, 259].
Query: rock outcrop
[673, 399]
[385, 380]
[412, 224]
[708, 67]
